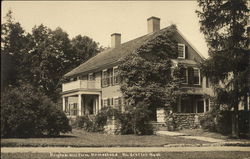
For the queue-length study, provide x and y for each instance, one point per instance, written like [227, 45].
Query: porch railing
[81, 84]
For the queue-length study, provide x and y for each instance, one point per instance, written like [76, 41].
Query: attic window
[181, 51]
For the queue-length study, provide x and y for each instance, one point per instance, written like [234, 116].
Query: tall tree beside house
[49, 58]
[146, 73]
[223, 23]
[13, 49]
[83, 48]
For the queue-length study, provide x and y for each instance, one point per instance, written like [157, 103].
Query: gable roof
[110, 57]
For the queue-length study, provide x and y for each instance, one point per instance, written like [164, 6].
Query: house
[95, 84]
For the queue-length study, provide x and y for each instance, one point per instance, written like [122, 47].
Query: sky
[99, 19]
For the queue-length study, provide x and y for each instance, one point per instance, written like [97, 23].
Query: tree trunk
[235, 122]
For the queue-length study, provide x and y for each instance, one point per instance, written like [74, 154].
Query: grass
[160, 155]
[80, 138]
[201, 132]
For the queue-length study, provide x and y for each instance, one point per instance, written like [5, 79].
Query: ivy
[147, 74]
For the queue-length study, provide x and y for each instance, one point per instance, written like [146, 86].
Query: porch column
[205, 106]
[79, 104]
[99, 102]
[63, 103]
[96, 105]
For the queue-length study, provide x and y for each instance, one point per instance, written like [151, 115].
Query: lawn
[157, 155]
[80, 138]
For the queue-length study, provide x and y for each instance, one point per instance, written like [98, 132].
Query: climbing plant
[147, 73]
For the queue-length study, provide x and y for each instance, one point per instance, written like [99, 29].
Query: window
[196, 76]
[207, 104]
[200, 106]
[105, 78]
[115, 76]
[181, 51]
[73, 109]
[105, 102]
[184, 75]
[91, 77]
[118, 103]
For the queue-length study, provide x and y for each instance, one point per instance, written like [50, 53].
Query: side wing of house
[196, 87]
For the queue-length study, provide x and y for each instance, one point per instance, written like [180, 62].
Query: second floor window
[181, 51]
[105, 78]
[116, 79]
[184, 75]
[196, 76]
[91, 77]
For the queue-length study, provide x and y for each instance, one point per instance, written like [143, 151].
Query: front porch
[83, 103]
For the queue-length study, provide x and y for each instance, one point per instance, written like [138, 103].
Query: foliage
[96, 123]
[146, 73]
[217, 120]
[224, 24]
[27, 113]
[83, 48]
[136, 120]
[41, 57]
[13, 48]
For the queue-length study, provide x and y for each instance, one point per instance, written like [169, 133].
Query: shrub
[27, 113]
[136, 120]
[98, 122]
[217, 120]
[208, 121]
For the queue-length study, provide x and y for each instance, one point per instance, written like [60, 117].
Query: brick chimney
[115, 40]
[153, 24]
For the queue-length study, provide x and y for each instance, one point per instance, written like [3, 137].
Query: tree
[147, 74]
[13, 49]
[83, 48]
[223, 23]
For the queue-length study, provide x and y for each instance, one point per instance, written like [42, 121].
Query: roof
[110, 57]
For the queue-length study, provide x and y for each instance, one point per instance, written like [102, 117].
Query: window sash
[196, 76]
[181, 51]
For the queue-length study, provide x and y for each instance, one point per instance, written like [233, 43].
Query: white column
[99, 102]
[63, 104]
[96, 105]
[79, 104]
[204, 100]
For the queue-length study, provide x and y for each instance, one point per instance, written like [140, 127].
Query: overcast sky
[100, 19]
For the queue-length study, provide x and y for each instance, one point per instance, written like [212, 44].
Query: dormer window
[181, 51]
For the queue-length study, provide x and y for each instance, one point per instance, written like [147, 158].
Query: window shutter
[186, 52]
[190, 75]
[102, 103]
[108, 102]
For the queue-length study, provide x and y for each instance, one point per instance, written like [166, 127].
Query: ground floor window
[193, 104]
[72, 109]
[200, 106]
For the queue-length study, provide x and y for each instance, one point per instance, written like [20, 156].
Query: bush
[27, 113]
[97, 124]
[136, 120]
[208, 121]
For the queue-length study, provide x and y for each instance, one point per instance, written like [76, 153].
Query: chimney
[115, 40]
[153, 24]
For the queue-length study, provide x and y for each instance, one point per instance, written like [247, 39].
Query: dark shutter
[190, 75]
[186, 52]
